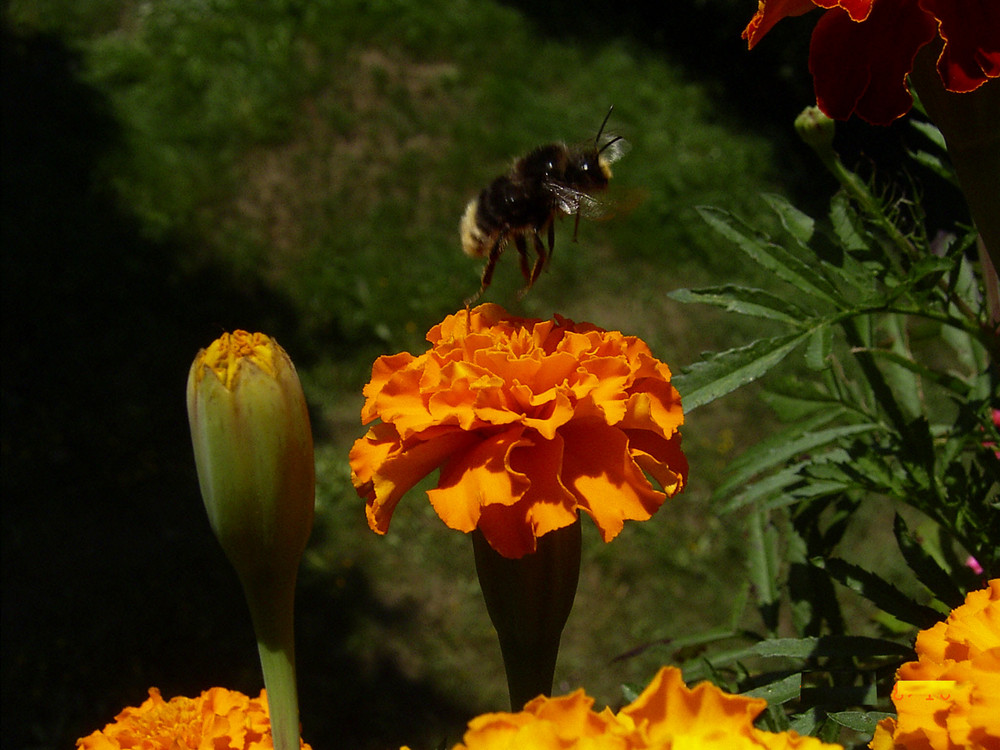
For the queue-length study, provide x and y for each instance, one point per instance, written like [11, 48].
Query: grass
[300, 168]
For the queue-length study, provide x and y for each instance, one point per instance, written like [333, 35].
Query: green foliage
[893, 402]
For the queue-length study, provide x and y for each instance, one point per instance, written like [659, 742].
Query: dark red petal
[861, 68]
[769, 12]
[971, 31]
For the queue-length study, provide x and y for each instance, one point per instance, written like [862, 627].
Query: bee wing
[571, 201]
[613, 148]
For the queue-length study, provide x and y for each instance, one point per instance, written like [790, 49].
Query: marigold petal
[477, 476]
[861, 68]
[769, 12]
[661, 459]
[607, 482]
[884, 732]
[668, 708]
[971, 32]
[547, 505]
[384, 468]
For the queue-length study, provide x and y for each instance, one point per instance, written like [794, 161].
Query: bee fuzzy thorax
[474, 241]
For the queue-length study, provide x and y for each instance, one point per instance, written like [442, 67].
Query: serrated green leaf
[905, 361]
[723, 372]
[880, 592]
[753, 302]
[935, 164]
[806, 723]
[782, 690]
[819, 348]
[772, 257]
[860, 721]
[762, 563]
[902, 380]
[847, 225]
[799, 225]
[921, 562]
[794, 398]
[773, 485]
[815, 647]
[930, 132]
[787, 444]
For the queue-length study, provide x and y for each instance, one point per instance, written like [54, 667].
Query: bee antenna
[601, 129]
[612, 141]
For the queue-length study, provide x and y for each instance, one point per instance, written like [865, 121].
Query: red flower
[862, 50]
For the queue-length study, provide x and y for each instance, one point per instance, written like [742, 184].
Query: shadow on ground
[112, 581]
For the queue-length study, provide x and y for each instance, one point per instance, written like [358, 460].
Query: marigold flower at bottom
[666, 716]
[217, 719]
[530, 422]
[962, 656]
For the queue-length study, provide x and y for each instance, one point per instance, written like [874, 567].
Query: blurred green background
[178, 168]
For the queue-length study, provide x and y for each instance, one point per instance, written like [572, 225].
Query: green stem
[529, 600]
[272, 610]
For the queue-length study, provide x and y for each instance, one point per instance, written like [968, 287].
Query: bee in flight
[523, 203]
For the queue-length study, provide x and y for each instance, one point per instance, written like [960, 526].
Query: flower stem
[272, 610]
[529, 600]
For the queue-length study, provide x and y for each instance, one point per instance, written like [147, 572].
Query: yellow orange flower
[218, 718]
[666, 716]
[957, 705]
[529, 420]
[863, 50]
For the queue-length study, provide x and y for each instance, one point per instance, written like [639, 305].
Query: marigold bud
[254, 454]
[816, 130]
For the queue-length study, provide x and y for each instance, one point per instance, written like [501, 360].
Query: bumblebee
[524, 202]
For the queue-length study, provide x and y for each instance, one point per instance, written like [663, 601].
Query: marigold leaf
[763, 560]
[860, 721]
[847, 224]
[819, 348]
[784, 689]
[775, 450]
[798, 224]
[814, 647]
[929, 131]
[774, 258]
[723, 372]
[753, 302]
[921, 562]
[943, 379]
[878, 591]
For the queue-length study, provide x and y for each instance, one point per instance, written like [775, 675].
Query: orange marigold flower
[863, 50]
[957, 672]
[529, 421]
[666, 715]
[217, 719]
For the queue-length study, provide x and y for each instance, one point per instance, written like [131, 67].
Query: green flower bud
[254, 454]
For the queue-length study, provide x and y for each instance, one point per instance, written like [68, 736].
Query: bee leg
[552, 236]
[576, 225]
[491, 264]
[522, 256]
[540, 261]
